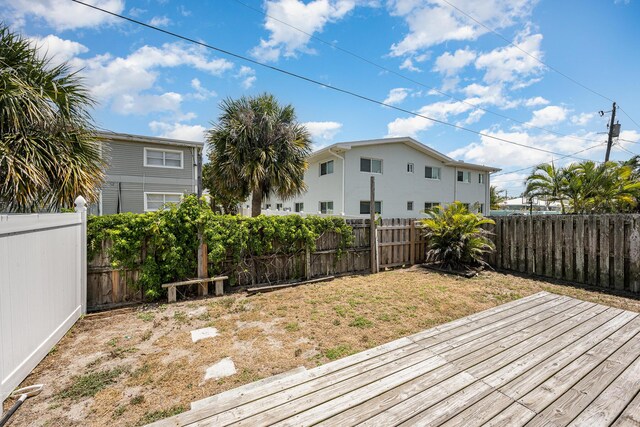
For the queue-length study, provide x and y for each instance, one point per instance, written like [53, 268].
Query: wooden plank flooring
[544, 360]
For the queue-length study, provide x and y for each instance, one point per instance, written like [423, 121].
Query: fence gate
[400, 242]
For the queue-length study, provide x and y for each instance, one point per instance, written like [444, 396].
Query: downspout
[455, 183]
[343, 168]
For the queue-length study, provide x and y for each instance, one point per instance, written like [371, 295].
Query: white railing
[43, 273]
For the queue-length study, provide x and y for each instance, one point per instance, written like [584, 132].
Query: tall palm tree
[547, 182]
[48, 154]
[496, 197]
[258, 147]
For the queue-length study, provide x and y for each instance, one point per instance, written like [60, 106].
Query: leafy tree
[48, 153]
[456, 238]
[223, 199]
[496, 197]
[257, 146]
[547, 183]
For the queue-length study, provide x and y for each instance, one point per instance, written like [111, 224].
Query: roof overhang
[341, 147]
[126, 137]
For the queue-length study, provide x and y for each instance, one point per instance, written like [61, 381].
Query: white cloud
[160, 21]
[145, 104]
[178, 131]
[449, 64]
[309, 17]
[548, 116]
[396, 95]
[121, 80]
[536, 101]
[57, 50]
[62, 14]
[411, 126]
[322, 133]
[432, 22]
[582, 119]
[510, 64]
[407, 64]
[201, 92]
[247, 75]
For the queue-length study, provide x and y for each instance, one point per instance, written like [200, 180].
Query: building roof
[408, 141]
[521, 201]
[126, 137]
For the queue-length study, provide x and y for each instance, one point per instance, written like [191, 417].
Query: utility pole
[610, 139]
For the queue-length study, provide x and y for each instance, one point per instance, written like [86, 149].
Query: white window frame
[327, 163]
[411, 168]
[299, 205]
[410, 205]
[163, 150]
[480, 178]
[146, 208]
[279, 206]
[433, 167]
[374, 207]
[433, 205]
[371, 159]
[328, 211]
[467, 173]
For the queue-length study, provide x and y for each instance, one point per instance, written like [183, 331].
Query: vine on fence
[163, 245]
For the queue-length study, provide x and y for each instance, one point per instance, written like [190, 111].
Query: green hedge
[164, 244]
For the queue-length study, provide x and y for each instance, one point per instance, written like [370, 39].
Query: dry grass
[128, 369]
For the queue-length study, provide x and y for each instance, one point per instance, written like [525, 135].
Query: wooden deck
[544, 360]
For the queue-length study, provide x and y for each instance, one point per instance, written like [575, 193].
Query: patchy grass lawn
[139, 366]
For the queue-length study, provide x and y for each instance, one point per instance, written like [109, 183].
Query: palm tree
[258, 147]
[547, 182]
[48, 153]
[496, 197]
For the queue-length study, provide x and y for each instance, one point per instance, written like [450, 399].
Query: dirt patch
[138, 366]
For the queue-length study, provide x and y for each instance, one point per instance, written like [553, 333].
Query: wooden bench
[203, 288]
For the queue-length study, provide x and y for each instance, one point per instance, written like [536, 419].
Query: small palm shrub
[456, 238]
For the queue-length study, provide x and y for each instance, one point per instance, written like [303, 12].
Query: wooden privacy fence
[598, 250]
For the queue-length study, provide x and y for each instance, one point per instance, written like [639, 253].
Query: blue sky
[152, 84]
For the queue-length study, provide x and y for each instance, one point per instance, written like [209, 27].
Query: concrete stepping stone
[221, 369]
[200, 334]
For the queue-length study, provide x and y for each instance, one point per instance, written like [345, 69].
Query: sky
[539, 82]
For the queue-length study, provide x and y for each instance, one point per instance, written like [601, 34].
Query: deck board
[541, 360]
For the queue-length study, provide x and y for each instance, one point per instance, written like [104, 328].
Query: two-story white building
[410, 177]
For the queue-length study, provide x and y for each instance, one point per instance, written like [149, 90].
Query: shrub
[163, 245]
[456, 238]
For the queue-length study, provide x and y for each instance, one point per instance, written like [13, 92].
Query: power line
[392, 71]
[316, 82]
[525, 52]
[628, 151]
[560, 158]
[625, 113]
[626, 140]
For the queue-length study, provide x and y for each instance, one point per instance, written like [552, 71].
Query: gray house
[146, 172]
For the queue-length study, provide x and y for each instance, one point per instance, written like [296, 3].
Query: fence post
[374, 233]
[203, 268]
[412, 241]
[81, 208]
[307, 263]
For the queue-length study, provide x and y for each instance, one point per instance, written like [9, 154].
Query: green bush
[164, 244]
[456, 238]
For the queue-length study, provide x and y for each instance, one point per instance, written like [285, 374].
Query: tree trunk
[256, 202]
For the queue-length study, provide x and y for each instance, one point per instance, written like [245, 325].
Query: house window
[481, 208]
[464, 176]
[466, 206]
[370, 165]
[156, 201]
[431, 173]
[326, 168]
[430, 205]
[365, 207]
[278, 206]
[299, 207]
[268, 206]
[163, 158]
[409, 206]
[480, 178]
[326, 207]
[410, 167]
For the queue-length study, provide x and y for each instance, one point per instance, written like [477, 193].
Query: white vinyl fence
[42, 287]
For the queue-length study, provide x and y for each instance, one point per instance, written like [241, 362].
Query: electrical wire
[626, 140]
[316, 82]
[525, 52]
[628, 151]
[559, 158]
[396, 73]
[625, 113]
